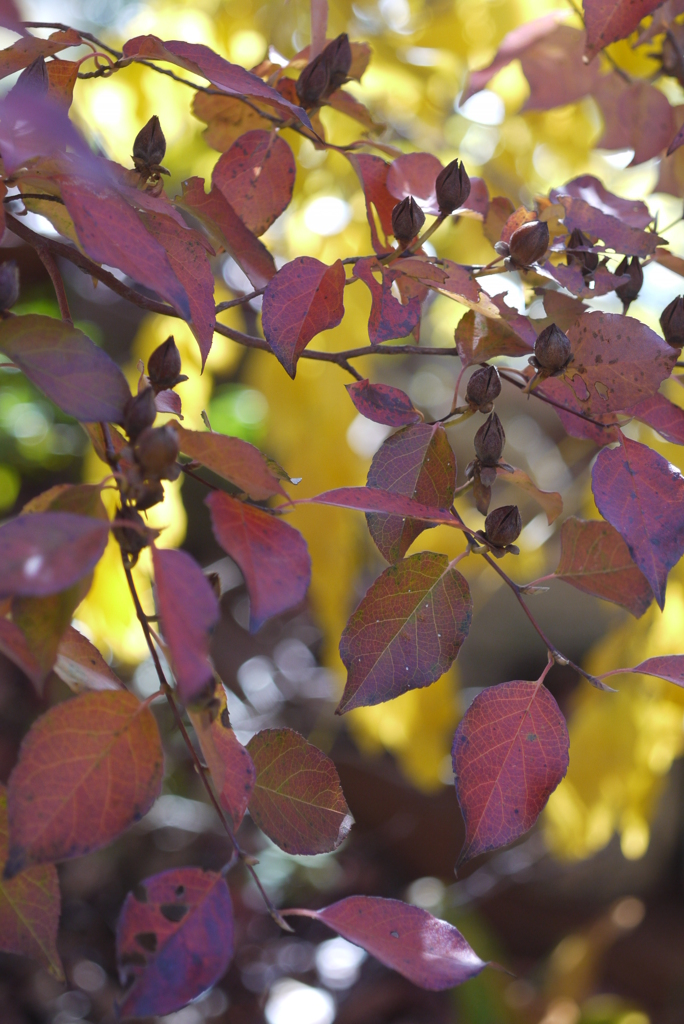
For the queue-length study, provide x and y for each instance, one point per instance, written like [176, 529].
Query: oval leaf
[257, 177]
[87, 770]
[81, 666]
[297, 799]
[669, 667]
[510, 752]
[229, 763]
[662, 415]
[66, 366]
[383, 404]
[406, 631]
[175, 938]
[46, 552]
[233, 459]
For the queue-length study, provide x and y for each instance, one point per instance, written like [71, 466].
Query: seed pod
[489, 441]
[157, 449]
[672, 322]
[482, 493]
[452, 187]
[9, 284]
[503, 525]
[149, 147]
[588, 261]
[164, 366]
[407, 219]
[148, 494]
[529, 242]
[131, 541]
[140, 413]
[483, 388]
[338, 60]
[628, 291]
[552, 349]
[33, 81]
[313, 81]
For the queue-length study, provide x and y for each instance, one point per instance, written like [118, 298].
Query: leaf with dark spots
[372, 172]
[419, 463]
[81, 666]
[479, 338]
[66, 366]
[29, 908]
[662, 415]
[188, 611]
[257, 177]
[227, 232]
[233, 459]
[87, 770]
[609, 20]
[642, 496]
[383, 404]
[613, 232]
[272, 556]
[46, 552]
[601, 429]
[188, 944]
[231, 767]
[414, 174]
[510, 752]
[588, 188]
[297, 799]
[406, 632]
[430, 953]
[374, 499]
[595, 559]
[303, 299]
[389, 318]
[15, 646]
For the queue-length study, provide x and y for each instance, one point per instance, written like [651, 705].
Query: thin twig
[241, 299]
[59, 27]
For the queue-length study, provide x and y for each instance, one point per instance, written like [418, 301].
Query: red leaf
[609, 20]
[175, 938]
[374, 499]
[642, 496]
[588, 188]
[555, 71]
[47, 552]
[616, 234]
[406, 631]
[26, 50]
[9, 18]
[303, 299]
[480, 338]
[575, 425]
[201, 60]
[372, 172]
[15, 646]
[227, 231]
[510, 752]
[112, 233]
[513, 46]
[29, 907]
[636, 116]
[229, 763]
[187, 254]
[458, 284]
[257, 176]
[168, 401]
[429, 952]
[662, 415]
[616, 361]
[67, 367]
[601, 281]
[383, 404]
[550, 501]
[272, 556]
[389, 318]
[233, 459]
[81, 666]
[88, 769]
[676, 142]
[414, 174]
[297, 799]
[595, 559]
[188, 611]
[417, 462]
[669, 667]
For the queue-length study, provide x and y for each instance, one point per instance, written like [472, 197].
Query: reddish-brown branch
[50, 264]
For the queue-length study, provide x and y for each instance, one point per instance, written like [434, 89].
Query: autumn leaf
[414, 174]
[389, 318]
[233, 459]
[47, 552]
[257, 177]
[550, 501]
[636, 116]
[26, 50]
[226, 117]
[81, 666]
[634, 212]
[662, 415]
[555, 70]
[372, 172]
[374, 499]
[609, 20]
[615, 233]
[383, 404]
[15, 646]
[669, 667]
[231, 768]
[479, 338]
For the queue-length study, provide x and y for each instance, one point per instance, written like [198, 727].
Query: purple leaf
[383, 404]
[662, 415]
[46, 552]
[389, 318]
[373, 499]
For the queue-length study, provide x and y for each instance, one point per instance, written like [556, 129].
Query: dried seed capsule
[164, 366]
[9, 284]
[672, 322]
[338, 59]
[148, 494]
[452, 187]
[131, 540]
[313, 81]
[588, 261]
[483, 388]
[489, 441]
[529, 242]
[407, 219]
[140, 413]
[157, 449]
[628, 291]
[552, 349]
[503, 525]
[149, 147]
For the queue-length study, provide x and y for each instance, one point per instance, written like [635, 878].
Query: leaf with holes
[188, 611]
[480, 338]
[510, 752]
[272, 556]
[389, 318]
[88, 769]
[631, 211]
[175, 939]
[429, 952]
[233, 459]
[29, 908]
[609, 20]
[303, 299]
[257, 177]
[417, 462]
[642, 496]
[406, 632]
[550, 501]
[66, 366]
[595, 559]
[662, 415]
[383, 404]
[297, 799]
[615, 233]
[229, 763]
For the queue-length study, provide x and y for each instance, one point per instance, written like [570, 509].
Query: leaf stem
[50, 264]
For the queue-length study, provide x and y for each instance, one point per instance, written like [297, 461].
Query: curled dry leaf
[81, 666]
[383, 404]
[88, 769]
[479, 338]
[257, 177]
[233, 459]
[229, 763]
[175, 939]
[297, 799]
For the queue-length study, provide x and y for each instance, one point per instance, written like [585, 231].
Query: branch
[59, 27]
[50, 264]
